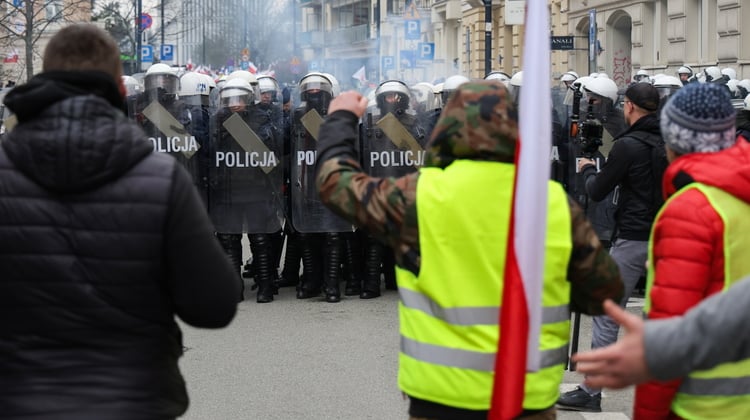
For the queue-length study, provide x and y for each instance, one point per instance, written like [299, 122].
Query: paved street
[308, 359]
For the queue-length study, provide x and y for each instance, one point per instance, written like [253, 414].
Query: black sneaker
[580, 400]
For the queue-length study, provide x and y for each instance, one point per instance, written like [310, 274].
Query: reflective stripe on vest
[487, 315]
[724, 391]
[466, 359]
[449, 314]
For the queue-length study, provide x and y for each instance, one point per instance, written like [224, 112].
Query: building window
[53, 10]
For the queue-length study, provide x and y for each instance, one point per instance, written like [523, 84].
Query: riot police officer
[133, 89]
[393, 145]
[450, 85]
[269, 110]
[319, 228]
[165, 118]
[245, 180]
[194, 93]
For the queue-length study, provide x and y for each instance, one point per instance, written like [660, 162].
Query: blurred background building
[414, 40]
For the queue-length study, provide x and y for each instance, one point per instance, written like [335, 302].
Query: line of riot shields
[232, 150]
[243, 160]
[236, 152]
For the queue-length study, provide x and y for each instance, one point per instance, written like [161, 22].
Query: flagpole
[520, 319]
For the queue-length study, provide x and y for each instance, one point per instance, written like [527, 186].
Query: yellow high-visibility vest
[449, 312]
[724, 391]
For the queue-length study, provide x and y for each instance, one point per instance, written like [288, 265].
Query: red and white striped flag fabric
[521, 314]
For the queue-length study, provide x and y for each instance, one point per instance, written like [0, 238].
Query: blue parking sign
[412, 29]
[167, 52]
[387, 62]
[407, 59]
[147, 54]
[426, 51]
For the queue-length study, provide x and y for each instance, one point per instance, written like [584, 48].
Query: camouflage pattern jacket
[387, 208]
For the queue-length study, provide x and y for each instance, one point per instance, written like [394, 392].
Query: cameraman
[628, 167]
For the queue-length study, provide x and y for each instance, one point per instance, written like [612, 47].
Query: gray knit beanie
[699, 118]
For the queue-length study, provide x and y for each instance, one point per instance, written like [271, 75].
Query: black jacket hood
[71, 135]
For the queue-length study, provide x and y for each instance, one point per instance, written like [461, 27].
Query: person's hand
[620, 364]
[582, 162]
[351, 101]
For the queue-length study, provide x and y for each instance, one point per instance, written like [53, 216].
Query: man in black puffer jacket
[102, 243]
[633, 170]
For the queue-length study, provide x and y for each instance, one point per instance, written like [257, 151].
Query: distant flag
[360, 74]
[251, 68]
[520, 319]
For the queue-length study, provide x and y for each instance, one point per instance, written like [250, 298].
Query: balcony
[348, 35]
[311, 39]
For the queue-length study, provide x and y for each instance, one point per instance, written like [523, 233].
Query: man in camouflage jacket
[479, 124]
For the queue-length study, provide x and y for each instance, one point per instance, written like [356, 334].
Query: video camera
[587, 133]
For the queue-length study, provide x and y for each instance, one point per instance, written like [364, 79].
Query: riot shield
[200, 129]
[245, 174]
[309, 215]
[392, 147]
[560, 123]
[168, 127]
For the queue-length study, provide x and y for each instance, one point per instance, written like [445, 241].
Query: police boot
[353, 264]
[332, 269]
[389, 269]
[373, 258]
[310, 282]
[232, 244]
[290, 274]
[260, 245]
[277, 241]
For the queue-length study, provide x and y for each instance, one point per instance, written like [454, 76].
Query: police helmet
[192, 83]
[685, 70]
[603, 87]
[210, 80]
[733, 85]
[237, 92]
[499, 76]
[161, 76]
[514, 86]
[713, 74]
[194, 89]
[746, 103]
[248, 77]
[315, 81]
[268, 84]
[451, 84]
[666, 85]
[744, 87]
[395, 89]
[640, 75]
[729, 72]
[568, 77]
[132, 87]
[316, 90]
[424, 96]
[334, 84]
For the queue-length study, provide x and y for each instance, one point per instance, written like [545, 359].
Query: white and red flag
[360, 74]
[521, 314]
